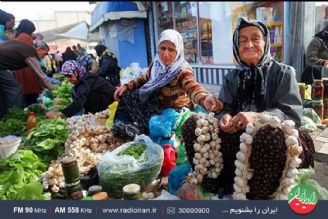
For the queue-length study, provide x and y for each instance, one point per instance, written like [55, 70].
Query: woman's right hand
[119, 92]
[226, 124]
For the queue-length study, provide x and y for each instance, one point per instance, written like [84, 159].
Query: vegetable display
[48, 138]
[19, 175]
[63, 96]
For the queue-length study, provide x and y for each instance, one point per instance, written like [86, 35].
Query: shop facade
[207, 30]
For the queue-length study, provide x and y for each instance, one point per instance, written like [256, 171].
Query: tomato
[301, 208]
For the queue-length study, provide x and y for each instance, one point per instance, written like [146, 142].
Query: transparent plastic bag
[117, 171]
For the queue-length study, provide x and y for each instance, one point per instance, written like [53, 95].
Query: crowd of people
[258, 84]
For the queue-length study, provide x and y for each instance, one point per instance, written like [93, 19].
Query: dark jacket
[109, 69]
[272, 87]
[91, 92]
[281, 95]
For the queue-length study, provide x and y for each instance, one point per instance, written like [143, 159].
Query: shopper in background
[7, 23]
[90, 92]
[16, 55]
[316, 57]
[108, 65]
[31, 86]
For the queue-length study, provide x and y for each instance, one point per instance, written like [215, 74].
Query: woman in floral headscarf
[169, 82]
[90, 92]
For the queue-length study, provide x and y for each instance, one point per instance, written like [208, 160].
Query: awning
[106, 11]
[80, 32]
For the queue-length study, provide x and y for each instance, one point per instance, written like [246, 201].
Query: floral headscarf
[85, 61]
[160, 74]
[72, 67]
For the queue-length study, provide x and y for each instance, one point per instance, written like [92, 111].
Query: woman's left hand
[241, 120]
[212, 104]
[53, 115]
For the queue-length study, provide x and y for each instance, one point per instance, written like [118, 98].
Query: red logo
[303, 199]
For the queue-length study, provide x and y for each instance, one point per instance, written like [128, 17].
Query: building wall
[62, 18]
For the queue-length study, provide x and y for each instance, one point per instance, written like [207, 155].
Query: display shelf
[274, 24]
[278, 44]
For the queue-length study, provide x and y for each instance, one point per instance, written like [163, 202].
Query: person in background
[168, 83]
[80, 50]
[68, 55]
[31, 86]
[7, 23]
[316, 57]
[37, 37]
[89, 62]
[59, 60]
[90, 92]
[16, 55]
[108, 65]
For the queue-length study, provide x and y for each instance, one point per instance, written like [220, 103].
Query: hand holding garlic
[212, 104]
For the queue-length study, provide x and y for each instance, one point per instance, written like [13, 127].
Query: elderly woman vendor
[258, 84]
[169, 82]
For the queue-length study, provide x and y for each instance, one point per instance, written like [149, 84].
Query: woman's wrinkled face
[167, 52]
[251, 43]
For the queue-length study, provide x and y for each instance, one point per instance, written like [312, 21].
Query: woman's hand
[226, 124]
[240, 120]
[119, 92]
[212, 104]
[53, 115]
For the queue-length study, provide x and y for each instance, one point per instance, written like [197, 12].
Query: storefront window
[186, 25]
[321, 16]
[207, 27]
[165, 15]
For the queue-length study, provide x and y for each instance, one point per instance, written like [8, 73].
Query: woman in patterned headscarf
[258, 84]
[90, 92]
[169, 82]
[73, 71]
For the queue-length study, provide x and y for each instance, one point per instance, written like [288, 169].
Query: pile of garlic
[87, 141]
[244, 173]
[208, 158]
[53, 177]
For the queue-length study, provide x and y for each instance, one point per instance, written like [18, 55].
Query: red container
[169, 159]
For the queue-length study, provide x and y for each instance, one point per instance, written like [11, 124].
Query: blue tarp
[127, 40]
[105, 7]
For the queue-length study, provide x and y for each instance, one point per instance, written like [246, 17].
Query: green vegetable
[14, 123]
[19, 175]
[63, 96]
[135, 150]
[48, 138]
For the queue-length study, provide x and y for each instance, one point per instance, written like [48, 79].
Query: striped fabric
[180, 92]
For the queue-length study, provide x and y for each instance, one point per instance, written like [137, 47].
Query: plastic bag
[131, 73]
[181, 155]
[177, 176]
[166, 196]
[184, 115]
[190, 191]
[309, 112]
[307, 124]
[162, 125]
[111, 114]
[200, 109]
[117, 171]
